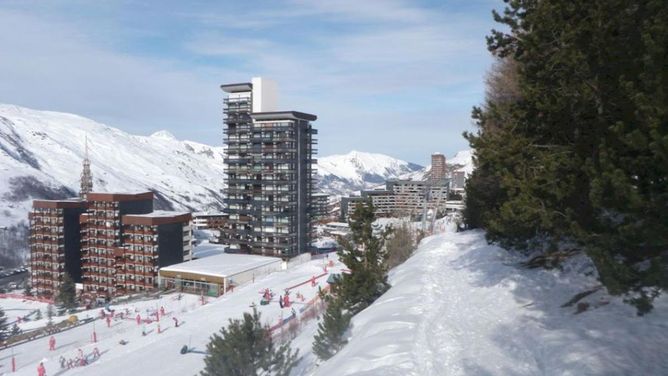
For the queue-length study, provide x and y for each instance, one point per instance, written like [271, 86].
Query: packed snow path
[462, 307]
[159, 353]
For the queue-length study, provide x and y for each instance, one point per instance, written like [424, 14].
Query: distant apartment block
[321, 206]
[439, 168]
[270, 176]
[458, 180]
[54, 243]
[209, 221]
[401, 198]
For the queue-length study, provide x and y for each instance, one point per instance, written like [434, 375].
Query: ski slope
[158, 353]
[462, 307]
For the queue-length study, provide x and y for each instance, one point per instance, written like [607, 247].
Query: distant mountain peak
[164, 134]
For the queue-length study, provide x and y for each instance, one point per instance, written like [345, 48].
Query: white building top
[223, 265]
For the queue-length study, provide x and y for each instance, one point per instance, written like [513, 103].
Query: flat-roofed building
[215, 275]
[270, 176]
[321, 207]
[54, 244]
[102, 235]
[151, 241]
[401, 198]
[439, 168]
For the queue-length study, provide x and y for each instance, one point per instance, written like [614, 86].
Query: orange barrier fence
[24, 297]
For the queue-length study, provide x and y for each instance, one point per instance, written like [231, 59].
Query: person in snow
[41, 370]
[176, 322]
[280, 301]
[294, 313]
[62, 362]
[286, 301]
[138, 319]
[96, 352]
[52, 343]
[162, 311]
[312, 281]
[108, 321]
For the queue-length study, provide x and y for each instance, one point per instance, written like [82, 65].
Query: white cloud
[359, 65]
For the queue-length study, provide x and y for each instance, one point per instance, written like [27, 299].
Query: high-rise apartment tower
[438, 167]
[270, 175]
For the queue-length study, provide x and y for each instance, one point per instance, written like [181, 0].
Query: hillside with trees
[571, 150]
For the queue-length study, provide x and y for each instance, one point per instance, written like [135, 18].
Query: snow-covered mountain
[348, 173]
[41, 155]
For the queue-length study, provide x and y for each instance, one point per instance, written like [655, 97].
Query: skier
[52, 343]
[280, 301]
[96, 353]
[162, 311]
[41, 371]
[138, 319]
[62, 362]
[176, 322]
[286, 301]
[312, 281]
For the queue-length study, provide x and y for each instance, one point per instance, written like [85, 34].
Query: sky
[393, 77]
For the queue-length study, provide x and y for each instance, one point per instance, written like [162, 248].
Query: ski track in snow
[459, 306]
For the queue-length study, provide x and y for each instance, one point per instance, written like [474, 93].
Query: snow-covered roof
[223, 265]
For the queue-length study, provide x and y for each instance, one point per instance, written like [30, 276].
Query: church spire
[86, 176]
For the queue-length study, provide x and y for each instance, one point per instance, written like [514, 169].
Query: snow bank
[462, 307]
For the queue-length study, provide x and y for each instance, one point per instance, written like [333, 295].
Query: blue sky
[394, 77]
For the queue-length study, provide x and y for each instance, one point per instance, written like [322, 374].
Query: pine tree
[365, 256]
[245, 348]
[577, 150]
[49, 314]
[15, 330]
[4, 326]
[67, 293]
[331, 330]
[400, 245]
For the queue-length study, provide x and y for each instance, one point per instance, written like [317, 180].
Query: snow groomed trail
[462, 307]
[158, 353]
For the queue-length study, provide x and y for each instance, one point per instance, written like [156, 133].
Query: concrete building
[150, 241]
[209, 221]
[54, 243]
[439, 169]
[215, 275]
[321, 207]
[401, 198]
[270, 176]
[458, 180]
[102, 235]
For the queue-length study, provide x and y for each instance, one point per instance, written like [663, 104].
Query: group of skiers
[79, 361]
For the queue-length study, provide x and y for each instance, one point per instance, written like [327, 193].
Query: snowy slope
[462, 307]
[348, 173]
[41, 154]
[158, 353]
